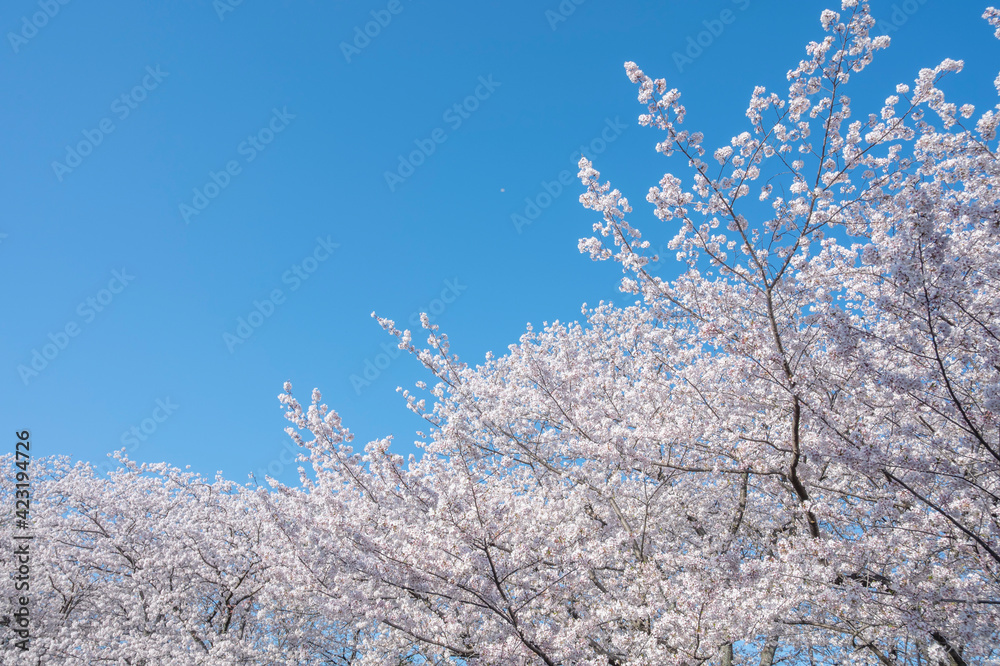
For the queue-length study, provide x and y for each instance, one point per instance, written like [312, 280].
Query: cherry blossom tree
[790, 452]
[156, 565]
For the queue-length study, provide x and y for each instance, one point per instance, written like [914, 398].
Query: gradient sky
[195, 88]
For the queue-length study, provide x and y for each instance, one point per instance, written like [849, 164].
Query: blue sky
[171, 168]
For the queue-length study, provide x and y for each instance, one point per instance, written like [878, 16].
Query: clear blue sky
[300, 132]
